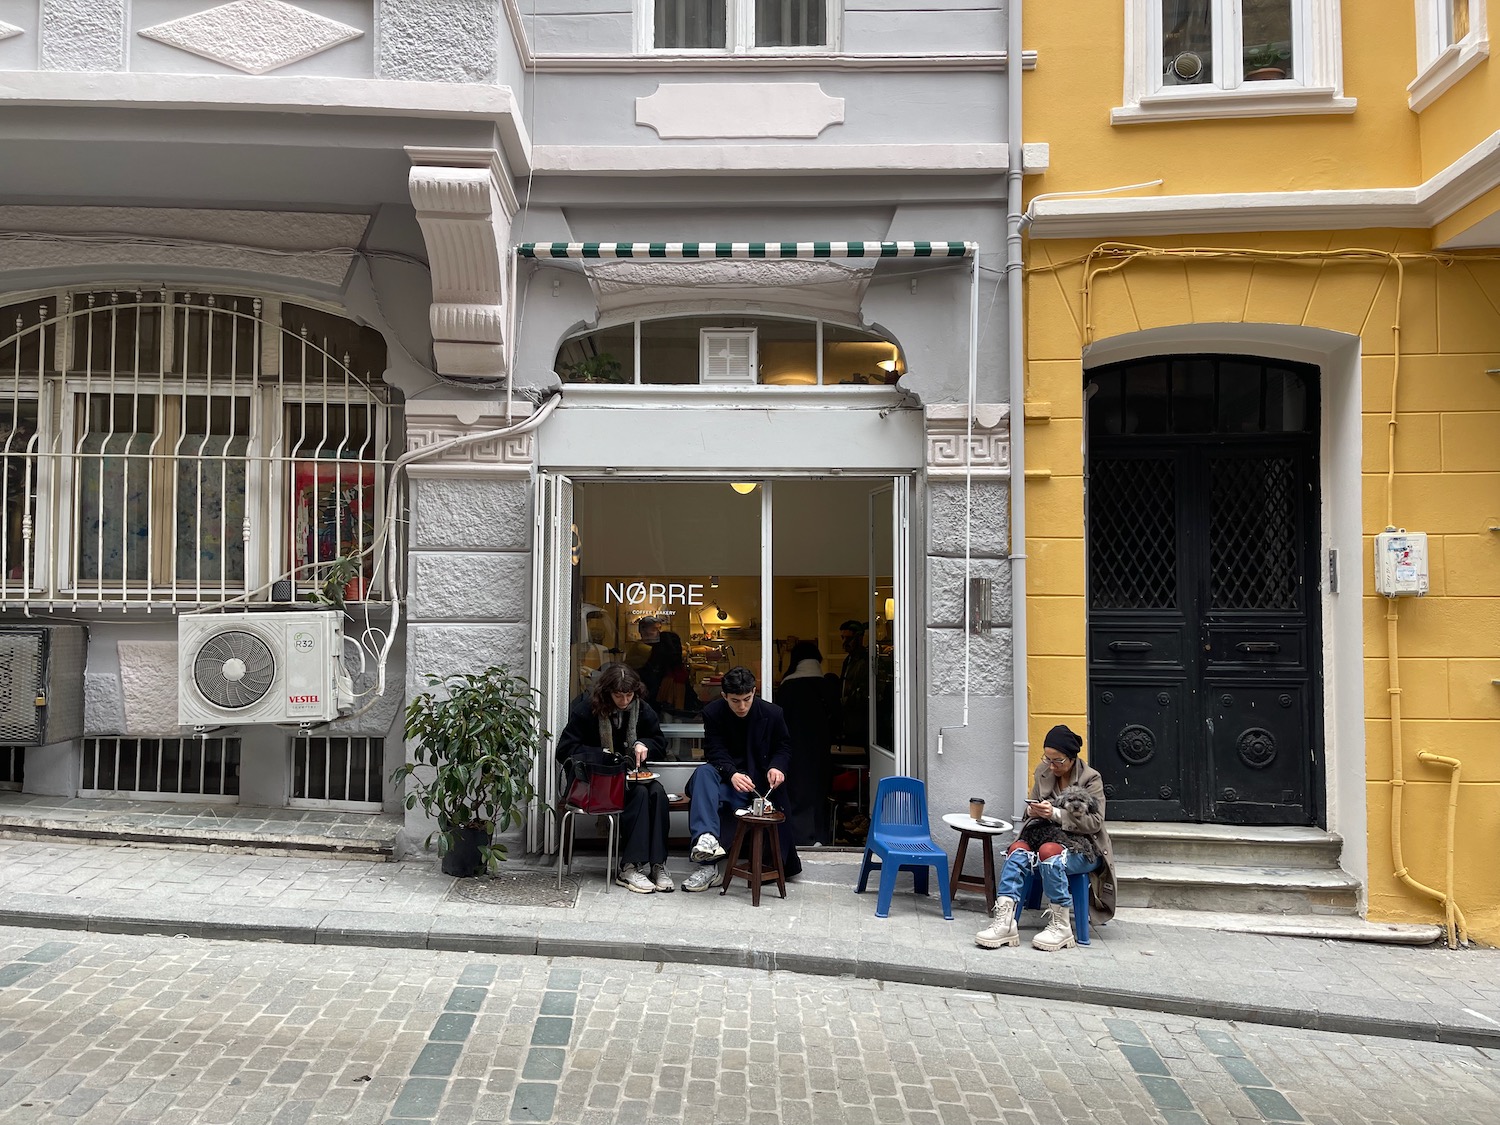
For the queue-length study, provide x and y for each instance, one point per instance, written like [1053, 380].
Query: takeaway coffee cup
[976, 807]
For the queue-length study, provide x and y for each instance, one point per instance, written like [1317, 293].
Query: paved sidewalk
[1424, 993]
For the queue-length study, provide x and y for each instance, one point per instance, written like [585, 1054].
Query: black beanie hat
[1062, 738]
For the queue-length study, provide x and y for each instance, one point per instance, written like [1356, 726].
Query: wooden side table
[985, 832]
[760, 833]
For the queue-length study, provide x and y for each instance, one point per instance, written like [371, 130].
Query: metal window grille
[336, 771]
[12, 766]
[168, 769]
[180, 448]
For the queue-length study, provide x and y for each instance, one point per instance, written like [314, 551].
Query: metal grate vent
[12, 766]
[1254, 542]
[1132, 533]
[234, 669]
[20, 682]
[184, 769]
[337, 771]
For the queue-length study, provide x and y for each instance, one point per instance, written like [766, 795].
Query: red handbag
[596, 787]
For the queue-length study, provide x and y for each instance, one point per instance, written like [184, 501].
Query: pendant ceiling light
[744, 487]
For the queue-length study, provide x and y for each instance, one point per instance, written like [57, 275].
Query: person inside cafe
[614, 716]
[1059, 769]
[747, 751]
[810, 702]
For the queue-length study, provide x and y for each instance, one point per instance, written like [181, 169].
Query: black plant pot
[464, 860]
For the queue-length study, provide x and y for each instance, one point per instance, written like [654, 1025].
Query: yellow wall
[1447, 483]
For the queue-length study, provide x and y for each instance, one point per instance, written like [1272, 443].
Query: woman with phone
[1060, 768]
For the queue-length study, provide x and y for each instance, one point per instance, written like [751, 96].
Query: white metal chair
[566, 813]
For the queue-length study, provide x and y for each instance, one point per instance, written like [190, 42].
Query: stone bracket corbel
[465, 202]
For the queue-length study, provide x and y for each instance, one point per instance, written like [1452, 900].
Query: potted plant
[339, 580]
[601, 368]
[473, 738]
[1267, 62]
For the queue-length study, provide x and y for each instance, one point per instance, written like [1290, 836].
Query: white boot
[1002, 930]
[1059, 931]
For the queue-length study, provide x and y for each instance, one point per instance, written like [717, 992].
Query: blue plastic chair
[1078, 887]
[900, 836]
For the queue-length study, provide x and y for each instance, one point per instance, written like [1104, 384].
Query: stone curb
[389, 930]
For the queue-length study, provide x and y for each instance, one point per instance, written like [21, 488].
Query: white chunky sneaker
[1002, 928]
[705, 877]
[661, 879]
[633, 879]
[707, 848]
[1059, 931]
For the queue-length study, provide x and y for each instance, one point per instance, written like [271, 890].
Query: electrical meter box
[1401, 563]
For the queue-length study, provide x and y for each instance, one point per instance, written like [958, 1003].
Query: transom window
[721, 350]
[1231, 58]
[737, 26]
[176, 447]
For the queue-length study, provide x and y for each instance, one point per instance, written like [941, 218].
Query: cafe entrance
[804, 580]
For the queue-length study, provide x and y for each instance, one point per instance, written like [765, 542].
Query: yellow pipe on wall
[1454, 918]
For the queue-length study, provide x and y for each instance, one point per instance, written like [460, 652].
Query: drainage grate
[518, 888]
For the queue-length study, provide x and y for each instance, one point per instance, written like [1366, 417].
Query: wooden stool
[761, 831]
[970, 829]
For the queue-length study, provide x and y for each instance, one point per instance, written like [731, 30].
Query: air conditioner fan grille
[234, 669]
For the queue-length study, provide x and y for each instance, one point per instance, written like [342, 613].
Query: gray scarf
[607, 728]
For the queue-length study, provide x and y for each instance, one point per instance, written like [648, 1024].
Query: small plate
[991, 822]
[645, 775]
[674, 796]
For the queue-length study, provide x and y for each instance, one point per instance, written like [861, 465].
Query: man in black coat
[746, 752]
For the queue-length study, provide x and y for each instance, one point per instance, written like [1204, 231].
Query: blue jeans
[714, 801]
[1055, 871]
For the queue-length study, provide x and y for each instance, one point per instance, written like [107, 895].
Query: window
[736, 26]
[688, 350]
[1452, 39]
[1188, 59]
[337, 771]
[173, 447]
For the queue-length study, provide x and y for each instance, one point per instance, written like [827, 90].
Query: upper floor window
[737, 26]
[720, 350]
[1189, 59]
[1452, 39]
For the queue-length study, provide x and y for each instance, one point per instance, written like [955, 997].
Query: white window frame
[1317, 89]
[1441, 60]
[739, 32]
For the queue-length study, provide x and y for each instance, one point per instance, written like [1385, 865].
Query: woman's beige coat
[1102, 879]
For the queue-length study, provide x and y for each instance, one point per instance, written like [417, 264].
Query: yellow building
[1220, 362]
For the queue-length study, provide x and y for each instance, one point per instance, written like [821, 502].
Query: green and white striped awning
[745, 249]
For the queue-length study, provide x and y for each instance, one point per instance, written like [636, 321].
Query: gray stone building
[558, 316]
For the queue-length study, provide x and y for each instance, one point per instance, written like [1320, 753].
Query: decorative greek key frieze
[954, 447]
[431, 423]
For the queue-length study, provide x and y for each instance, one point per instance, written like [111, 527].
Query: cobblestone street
[122, 1029]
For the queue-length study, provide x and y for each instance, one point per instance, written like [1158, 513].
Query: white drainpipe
[1016, 362]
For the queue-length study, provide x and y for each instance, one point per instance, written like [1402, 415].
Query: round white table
[985, 832]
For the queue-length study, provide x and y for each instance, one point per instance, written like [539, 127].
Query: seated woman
[1063, 834]
[613, 715]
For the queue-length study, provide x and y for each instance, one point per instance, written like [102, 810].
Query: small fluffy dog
[1075, 799]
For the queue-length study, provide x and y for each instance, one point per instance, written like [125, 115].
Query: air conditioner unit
[727, 355]
[241, 668]
[41, 683]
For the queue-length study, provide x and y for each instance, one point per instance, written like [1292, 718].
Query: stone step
[1247, 889]
[1229, 845]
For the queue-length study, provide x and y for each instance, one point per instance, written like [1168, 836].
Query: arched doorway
[1202, 510]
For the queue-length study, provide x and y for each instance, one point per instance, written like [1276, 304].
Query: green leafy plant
[1267, 56]
[334, 577]
[473, 738]
[601, 368]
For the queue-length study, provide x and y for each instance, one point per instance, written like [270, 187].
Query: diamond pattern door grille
[1254, 546]
[1133, 533]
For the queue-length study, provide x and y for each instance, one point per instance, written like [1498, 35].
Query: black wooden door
[1204, 700]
